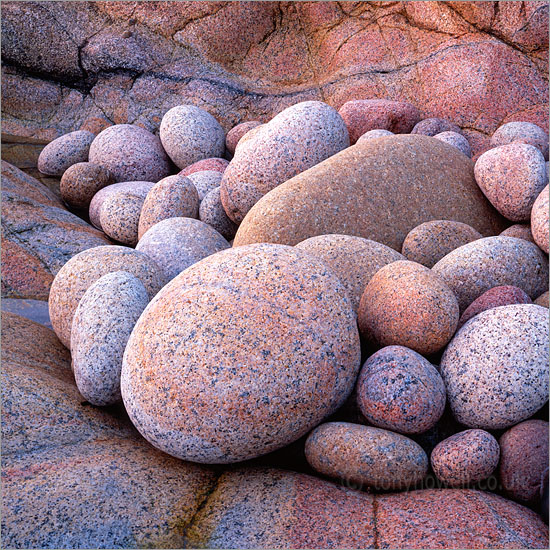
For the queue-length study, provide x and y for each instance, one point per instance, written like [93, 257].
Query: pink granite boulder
[215, 164]
[524, 132]
[63, 152]
[433, 126]
[211, 212]
[539, 220]
[81, 181]
[237, 132]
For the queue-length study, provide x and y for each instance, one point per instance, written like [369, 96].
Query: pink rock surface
[215, 164]
[539, 220]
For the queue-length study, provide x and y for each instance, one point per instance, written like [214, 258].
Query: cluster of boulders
[369, 268]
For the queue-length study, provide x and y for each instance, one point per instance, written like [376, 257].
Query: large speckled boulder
[353, 259]
[539, 220]
[476, 267]
[296, 139]
[496, 367]
[400, 390]
[177, 243]
[171, 197]
[82, 270]
[430, 241]
[63, 152]
[512, 177]
[102, 324]
[268, 508]
[130, 153]
[270, 349]
[406, 304]
[189, 134]
[81, 181]
[465, 457]
[359, 455]
[523, 132]
[353, 193]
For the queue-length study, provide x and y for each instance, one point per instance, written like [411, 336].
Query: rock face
[421, 179]
[38, 235]
[65, 151]
[272, 310]
[293, 141]
[496, 367]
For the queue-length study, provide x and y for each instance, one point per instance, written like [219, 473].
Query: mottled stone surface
[496, 367]
[130, 153]
[524, 132]
[373, 134]
[63, 152]
[476, 267]
[399, 390]
[171, 197]
[433, 126]
[539, 220]
[523, 464]
[189, 134]
[366, 457]
[34, 310]
[237, 132]
[520, 231]
[354, 260]
[494, 297]
[353, 193]
[466, 457]
[362, 115]
[176, 243]
[542, 300]
[81, 181]
[271, 310]
[74, 278]
[406, 304]
[215, 164]
[102, 324]
[296, 139]
[512, 177]
[211, 212]
[38, 235]
[205, 180]
[456, 140]
[430, 241]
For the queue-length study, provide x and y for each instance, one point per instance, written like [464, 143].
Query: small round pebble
[205, 180]
[366, 457]
[83, 269]
[374, 134]
[237, 132]
[400, 390]
[102, 323]
[81, 181]
[215, 164]
[171, 197]
[211, 212]
[130, 153]
[512, 177]
[519, 231]
[494, 297]
[406, 304]
[434, 126]
[524, 460]
[456, 140]
[524, 132]
[353, 260]
[495, 369]
[466, 457]
[539, 220]
[189, 134]
[176, 243]
[542, 300]
[428, 242]
[63, 152]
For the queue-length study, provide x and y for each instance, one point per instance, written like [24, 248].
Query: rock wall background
[72, 65]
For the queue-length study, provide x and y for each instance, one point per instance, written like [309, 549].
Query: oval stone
[456, 140]
[237, 132]
[211, 212]
[524, 132]
[81, 181]
[63, 152]
[205, 180]
[539, 220]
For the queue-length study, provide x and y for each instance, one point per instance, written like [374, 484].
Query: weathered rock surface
[353, 193]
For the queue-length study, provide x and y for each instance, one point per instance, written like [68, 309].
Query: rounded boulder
[211, 212]
[539, 220]
[205, 180]
[434, 126]
[237, 132]
[524, 132]
[456, 140]
[519, 231]
[63, 152]
[215, 164]
[81, 181]
[374, 134]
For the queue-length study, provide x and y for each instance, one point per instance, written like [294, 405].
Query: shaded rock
[130, 153]
[81, 181]
[215, 164]
[362, 115]
[205, 180]
[211, 212]
[176, 243]
[359, 455]
[476, 267]
[171, 197]
[34, 310]
[81, 271]
[542, 300]
[496, 367]
[353, 260]
[434, 126]
[428, 242]
[348, 194]
[406, 304]
[373, 134]
[237, 132]
[456, 140]
[296, 139]
[466, 457]
[539, 220]
[189, 134]
[65, 151]
[399, 390]
[523, 132]
[272, 310]
[519, 231]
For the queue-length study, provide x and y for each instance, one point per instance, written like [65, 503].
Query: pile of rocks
[370, 269]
